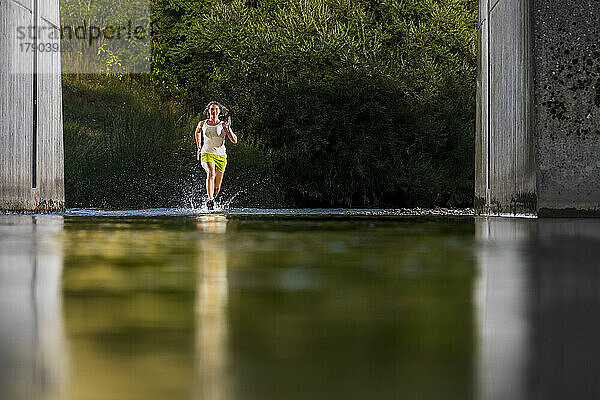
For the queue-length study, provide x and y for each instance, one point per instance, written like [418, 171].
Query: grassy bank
[126, 146]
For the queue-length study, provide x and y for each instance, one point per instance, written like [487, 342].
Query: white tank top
[214, 138]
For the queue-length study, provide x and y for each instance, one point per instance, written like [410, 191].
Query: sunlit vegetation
[336, 102]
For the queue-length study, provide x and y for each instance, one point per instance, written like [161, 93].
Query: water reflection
[32, 343]
[538, 308]
[205, 307]
[208, 308]
[211, 310]
[351, 309]
[502, 304]
[128, 302]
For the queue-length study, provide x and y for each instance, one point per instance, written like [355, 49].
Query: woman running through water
[210, 141]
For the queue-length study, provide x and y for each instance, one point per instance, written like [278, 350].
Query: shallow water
[273, 212]
[297, 304]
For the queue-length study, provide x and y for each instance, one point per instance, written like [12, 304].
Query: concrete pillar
[538, 114]
[31, 140]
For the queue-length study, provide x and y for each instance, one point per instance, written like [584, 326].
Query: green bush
[358, 103]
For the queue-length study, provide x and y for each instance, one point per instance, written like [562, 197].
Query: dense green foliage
[360, 102]
[336, 102]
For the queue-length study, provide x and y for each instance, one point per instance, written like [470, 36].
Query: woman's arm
[229, 131]
[199, 138]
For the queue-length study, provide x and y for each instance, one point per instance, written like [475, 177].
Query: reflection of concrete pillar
[502, 307]
[211, 311]
[538, 301]
[32, 346]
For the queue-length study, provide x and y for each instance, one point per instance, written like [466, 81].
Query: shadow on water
[212, 306]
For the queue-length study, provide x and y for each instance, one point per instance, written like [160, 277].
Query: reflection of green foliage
[346, 308]
[349, 308]
[359, 102]
[336, 296]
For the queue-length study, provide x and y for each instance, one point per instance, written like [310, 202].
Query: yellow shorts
[220, 160]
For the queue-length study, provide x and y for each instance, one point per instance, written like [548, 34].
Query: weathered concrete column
[31, 139]
[538, 115]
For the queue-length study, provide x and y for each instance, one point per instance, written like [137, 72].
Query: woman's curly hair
[223, 111]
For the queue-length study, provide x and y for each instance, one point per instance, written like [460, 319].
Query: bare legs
[218, 180]
[209, 168]
[213, 179]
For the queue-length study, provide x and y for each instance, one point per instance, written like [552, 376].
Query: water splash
[227, 204]
[195, 197]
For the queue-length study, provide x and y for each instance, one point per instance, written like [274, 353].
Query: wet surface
[274, 212]
[163, 304]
